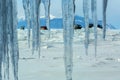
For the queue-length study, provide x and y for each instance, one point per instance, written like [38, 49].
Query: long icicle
[4, 41]
[1, 40]
[68, 21]
[94, 17]
[86, 17]
[74, 14]
[8, 39]
[104, 17]
[5, 55]
[13, 38]
[26, 6]
[47, 14]
[35, 26]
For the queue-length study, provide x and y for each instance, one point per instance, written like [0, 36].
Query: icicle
[94, 17]
[0, 56]
[0, 65]
[74, 15]
[4, 41]
[35, 25]
[86, 15]
[8, 39]
[12, 22]
[26, 6]
[104, 17]
[47, 14]
[68, 21]
[2, 29]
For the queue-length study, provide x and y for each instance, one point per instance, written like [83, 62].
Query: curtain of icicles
[31, 8]
[94, 19]
[68, 22]
[9, 53]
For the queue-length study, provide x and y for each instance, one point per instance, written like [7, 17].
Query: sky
[113, 12]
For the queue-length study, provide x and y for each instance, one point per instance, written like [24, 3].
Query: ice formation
[68, 22]
[31, 8]
[104, 17]
[26, 6]
[86, 17]
[35, 4]
[47, 14]
[9, 53]
[32, 16]
[94, 18]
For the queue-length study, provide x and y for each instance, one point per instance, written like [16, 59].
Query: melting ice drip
[9, 53]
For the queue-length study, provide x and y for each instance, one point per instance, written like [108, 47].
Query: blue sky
[113, 12]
